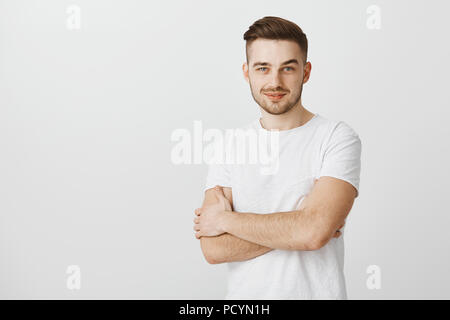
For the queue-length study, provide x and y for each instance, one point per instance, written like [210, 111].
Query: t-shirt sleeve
[218, 174]
[342, 156]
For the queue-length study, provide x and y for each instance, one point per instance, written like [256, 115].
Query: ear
[245, 71]
[306, 71]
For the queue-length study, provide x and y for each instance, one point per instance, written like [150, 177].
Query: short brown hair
[275, 28]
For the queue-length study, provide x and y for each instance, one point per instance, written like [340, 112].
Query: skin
[274, 76]
[226, 247]
[273, 66]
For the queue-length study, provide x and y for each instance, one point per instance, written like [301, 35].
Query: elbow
[310, 245]
[312, 241]
[317, 242]
[211, 259]
[210, 253]
[320, 237]
[312, 235]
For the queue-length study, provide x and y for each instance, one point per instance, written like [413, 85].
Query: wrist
[225, 219]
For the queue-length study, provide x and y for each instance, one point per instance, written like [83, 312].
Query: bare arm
[309, 228]
[227, 247]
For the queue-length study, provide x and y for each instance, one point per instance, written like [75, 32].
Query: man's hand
[209, 218]
[207, 221]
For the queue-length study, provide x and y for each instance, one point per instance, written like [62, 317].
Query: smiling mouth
[276, 96]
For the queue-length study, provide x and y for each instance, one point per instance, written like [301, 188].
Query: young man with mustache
[279, 233]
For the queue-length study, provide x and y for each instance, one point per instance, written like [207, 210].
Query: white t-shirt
[320, 147]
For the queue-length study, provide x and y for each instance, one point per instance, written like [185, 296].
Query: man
[279, 233]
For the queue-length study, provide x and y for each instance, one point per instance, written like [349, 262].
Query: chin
[276, 111]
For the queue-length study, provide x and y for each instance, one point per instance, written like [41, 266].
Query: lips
[275, 96]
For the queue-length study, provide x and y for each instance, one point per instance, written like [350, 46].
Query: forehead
[273, 51]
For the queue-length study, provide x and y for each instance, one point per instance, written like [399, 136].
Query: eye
[289, 68]
[261, 68]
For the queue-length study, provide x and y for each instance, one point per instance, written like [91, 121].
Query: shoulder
[336, 128]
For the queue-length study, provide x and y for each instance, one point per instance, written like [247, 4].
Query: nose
[275, 81]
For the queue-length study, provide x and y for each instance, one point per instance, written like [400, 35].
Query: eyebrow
[268, 64]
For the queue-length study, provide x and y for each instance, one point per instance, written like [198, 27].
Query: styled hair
[275, 28]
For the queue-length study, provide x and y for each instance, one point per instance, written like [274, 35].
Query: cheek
[256, 85]
[293, 83]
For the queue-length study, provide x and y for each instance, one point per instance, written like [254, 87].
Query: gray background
[86, 118]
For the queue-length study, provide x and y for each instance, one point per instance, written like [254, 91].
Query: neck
[294, 118]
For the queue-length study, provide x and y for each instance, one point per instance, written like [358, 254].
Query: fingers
[196, 221]
[220, 196]
[342, 225]
[219, 193]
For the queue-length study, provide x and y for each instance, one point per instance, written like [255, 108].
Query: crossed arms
[226, 235]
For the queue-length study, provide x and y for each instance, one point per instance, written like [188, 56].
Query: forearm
[293, 230]
[228, 248]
